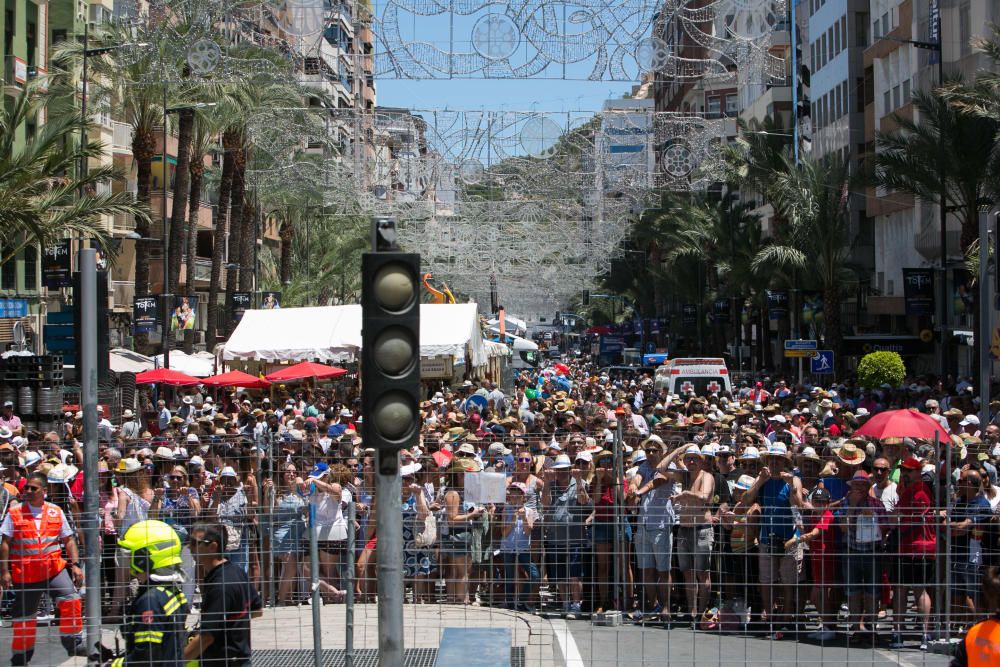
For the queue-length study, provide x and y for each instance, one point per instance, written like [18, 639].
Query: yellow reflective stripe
[148, 636]
[118, 662]
[171, 606]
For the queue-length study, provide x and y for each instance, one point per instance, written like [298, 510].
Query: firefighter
[34, 537]
[154, 629]
[981, 645]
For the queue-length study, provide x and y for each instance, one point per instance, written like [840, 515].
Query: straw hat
[851, 454]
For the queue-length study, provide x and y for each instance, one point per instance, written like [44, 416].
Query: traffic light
[390, 351]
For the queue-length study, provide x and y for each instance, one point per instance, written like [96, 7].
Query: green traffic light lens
[394, 416]
[394, 286]
[394, 351]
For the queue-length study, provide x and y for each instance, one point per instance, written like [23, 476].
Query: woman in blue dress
[287, 530]
[419, 562]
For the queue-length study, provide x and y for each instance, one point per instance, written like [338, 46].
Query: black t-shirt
[228, 601]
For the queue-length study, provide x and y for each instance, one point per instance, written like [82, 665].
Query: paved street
[546, 642]
[636, 646]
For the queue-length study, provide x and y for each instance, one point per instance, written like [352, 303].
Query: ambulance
[702, 376]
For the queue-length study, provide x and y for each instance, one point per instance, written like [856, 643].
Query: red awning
[165, 376]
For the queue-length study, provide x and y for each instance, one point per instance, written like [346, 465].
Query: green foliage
[879, 368]
[39, 196]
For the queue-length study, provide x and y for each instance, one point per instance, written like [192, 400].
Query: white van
[701, 375]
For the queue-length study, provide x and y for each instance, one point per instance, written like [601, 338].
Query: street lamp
[165, 344]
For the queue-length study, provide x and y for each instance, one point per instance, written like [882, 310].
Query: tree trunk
[287, 233]
[248, 243]
[197, 172]
[235, 227]
[230, 145]
[143, 149]
[182, 181]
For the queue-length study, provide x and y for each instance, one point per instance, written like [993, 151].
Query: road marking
[567, 645]
[894, 657]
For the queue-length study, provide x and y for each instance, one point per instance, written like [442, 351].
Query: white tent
[199, 364]
[127, 361]
[332, 334]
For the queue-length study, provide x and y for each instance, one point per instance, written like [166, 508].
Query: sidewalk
[290, 628]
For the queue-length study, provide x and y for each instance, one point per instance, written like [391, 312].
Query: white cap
[970, 420]
[228, 472]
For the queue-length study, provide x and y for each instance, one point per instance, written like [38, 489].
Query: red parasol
[306, 369]
[902, 424]
[236, 379]
[165, 376]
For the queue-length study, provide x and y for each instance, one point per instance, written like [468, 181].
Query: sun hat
[127, 414]
[466, 448]
[229, 471]
[127, 466]
[517, 486]
[638, 456]
[809, 454]
[777, 449]
[693, 450]
[585, 456]
[164, 453]
[969, 420]
[851, 454]
[778, 418]
[860, 477]
[744, 482]
[561, 462]
[62, 473]
[409, 470]
[750, 453]
[196, 461]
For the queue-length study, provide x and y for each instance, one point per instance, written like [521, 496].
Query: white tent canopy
[127, 361]
[332, 334]
[199, 364]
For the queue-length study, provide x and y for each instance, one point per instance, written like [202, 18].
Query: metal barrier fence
[593, 563]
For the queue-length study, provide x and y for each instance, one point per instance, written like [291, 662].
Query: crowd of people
[757, 510]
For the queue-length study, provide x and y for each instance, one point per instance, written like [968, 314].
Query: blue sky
[499, 94]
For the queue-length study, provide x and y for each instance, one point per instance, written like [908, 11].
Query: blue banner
[13, 308]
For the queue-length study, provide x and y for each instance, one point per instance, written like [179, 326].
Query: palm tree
[948, 153]
[812, 197]
[39, 194]
[203, 141]
[115, 74]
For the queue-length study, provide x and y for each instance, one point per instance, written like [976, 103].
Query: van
[701, 375]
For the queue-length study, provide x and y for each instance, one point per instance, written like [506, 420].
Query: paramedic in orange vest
[34, 535]
[981, 645]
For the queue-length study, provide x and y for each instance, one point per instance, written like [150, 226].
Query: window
[895, 97]
[885, 24]
[30, 268]
[843, 32]
[861, 29]
[876, 32]
[830, 53]
[839, 96]
[836, 38]
[8, 275]
[732, 105]
[714, 105]
[906, 92]
[822, 51]
[964, 29]
[885, 103]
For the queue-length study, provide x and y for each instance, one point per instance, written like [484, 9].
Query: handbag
[428, 536]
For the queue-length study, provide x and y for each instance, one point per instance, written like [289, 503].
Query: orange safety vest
[982, 644]
[36, 553]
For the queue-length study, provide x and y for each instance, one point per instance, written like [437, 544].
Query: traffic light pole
[390, 372]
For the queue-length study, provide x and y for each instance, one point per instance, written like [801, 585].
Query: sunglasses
[878, 470]
[524, 459]
[32, 487]
[176, 477]
[195, 540]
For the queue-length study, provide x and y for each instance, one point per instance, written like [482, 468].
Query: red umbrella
[902, 424]
[306, 369]
[236, 379]
[165, 376]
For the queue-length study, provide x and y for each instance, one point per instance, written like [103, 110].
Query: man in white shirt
[884, 488]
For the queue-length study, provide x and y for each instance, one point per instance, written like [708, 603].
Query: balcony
[122, 223]
[15, 74]
[122, 137]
